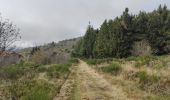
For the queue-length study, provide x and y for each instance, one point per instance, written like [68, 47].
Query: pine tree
[89, 40]
[101, 44]
[115, 38]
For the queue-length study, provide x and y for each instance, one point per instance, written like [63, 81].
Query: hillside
[67, 45]
[64, 45]
[54, 52]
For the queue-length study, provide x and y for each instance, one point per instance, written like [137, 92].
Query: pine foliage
[115, 38]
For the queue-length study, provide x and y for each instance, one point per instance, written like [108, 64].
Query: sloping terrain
[64, 46]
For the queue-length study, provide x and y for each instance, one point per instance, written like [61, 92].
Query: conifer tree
[115, 38]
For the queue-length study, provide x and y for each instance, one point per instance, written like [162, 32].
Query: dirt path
[93, 86]
[89, 85]
[67, 88]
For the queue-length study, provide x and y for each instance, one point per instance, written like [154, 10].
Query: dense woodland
[117, 38]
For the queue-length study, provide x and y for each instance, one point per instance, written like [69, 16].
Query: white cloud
[24, 44]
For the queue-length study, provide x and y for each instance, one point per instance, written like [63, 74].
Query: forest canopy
[128, 35]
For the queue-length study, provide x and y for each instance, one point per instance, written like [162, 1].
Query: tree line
[115, 38]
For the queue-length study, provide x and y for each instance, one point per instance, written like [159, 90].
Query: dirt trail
[89, 85]
[68, 87]
[94, 87]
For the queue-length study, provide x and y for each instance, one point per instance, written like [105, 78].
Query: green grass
[157, 62]
[11, 72]
[73, 61]
[141, 61]
[142, 58]
[156, 97]
[16, 71]
[114, 68]
[41, 69]
[98, 61]
[22, 83]
[32, 90]
[145, 78]
[55, 71]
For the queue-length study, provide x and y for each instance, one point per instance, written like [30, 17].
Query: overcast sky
[43, 21]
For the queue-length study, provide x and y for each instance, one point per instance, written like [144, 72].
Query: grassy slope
[28, 81]
[140, 77]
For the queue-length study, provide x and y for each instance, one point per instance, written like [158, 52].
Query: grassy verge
[98, 61]
[113, 68]
[145, 78]
[149, 74]
[20, 81]
[31, 90]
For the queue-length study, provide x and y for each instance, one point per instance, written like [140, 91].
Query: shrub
[114, 68]
[11, 72]
[73, 61]
[97, 61]
[41, 69]
[92, 61]
[38, 94]
[131, 58]
[32, 90]
[145, 60]
[139, 64]
[54, 71]
[39, 57]
[16, 71]
[41, 91]
[145, 78]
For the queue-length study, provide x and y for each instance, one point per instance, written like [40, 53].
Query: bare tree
[9, 34]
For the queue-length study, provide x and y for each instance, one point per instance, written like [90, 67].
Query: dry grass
[150, 81]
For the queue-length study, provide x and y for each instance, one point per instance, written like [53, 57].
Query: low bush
[131, 58]
[16, 71]
[41, 91]
[54, 71]
[41, 69]
[73, 61]
[32, 90]
[145, 78]
[98, 61]
[39, 57]
[141, 61]
[92, 61]
[141, 58]
[139, 64]
[114, 68]
[11, 72]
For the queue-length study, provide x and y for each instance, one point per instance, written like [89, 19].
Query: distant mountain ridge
[62, 46]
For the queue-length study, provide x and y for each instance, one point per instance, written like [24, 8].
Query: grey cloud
[43, 21]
